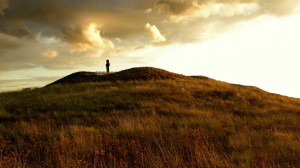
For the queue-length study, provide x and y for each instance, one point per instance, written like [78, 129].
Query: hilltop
[148, 117]
[142, 73]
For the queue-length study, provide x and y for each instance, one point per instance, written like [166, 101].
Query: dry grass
[163, 123]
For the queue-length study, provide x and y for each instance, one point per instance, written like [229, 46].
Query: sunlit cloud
[50, 54]
[93, 39]
[118, 39]
[155, 33]
[226, 10]
[214, 9]
[148, 10]
[92, 33]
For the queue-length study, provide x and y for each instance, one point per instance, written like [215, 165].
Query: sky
[248, 42]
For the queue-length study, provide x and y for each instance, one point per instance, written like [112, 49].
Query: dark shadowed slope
[143, 73]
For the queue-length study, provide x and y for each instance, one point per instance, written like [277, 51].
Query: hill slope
[168, 122]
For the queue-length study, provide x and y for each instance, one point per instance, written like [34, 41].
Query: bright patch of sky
[263, 52]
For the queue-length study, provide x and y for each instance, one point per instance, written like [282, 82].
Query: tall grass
[164, 123]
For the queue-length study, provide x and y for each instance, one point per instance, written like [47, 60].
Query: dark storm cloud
[62, 34]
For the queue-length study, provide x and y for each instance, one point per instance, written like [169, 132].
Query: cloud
[148, 10]
[9, 42]
[175, 7]
[86, 37]
[50, 54]
[124, 19]
[3, 5]
[92, 33]
[222, 10]
[118, 39]
[82, 31]
[155, 33]
[68, 17]
[278, 7]
[227, 8]
[56, 56]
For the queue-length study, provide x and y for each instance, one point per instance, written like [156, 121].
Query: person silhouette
[107, 66]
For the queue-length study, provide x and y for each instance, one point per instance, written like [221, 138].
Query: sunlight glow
[263, 52]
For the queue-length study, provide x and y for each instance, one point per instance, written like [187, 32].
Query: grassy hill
[143, 73]
[147, 117]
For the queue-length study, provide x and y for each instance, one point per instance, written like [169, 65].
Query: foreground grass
[165, 123]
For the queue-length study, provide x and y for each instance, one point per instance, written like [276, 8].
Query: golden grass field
[149, 122]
